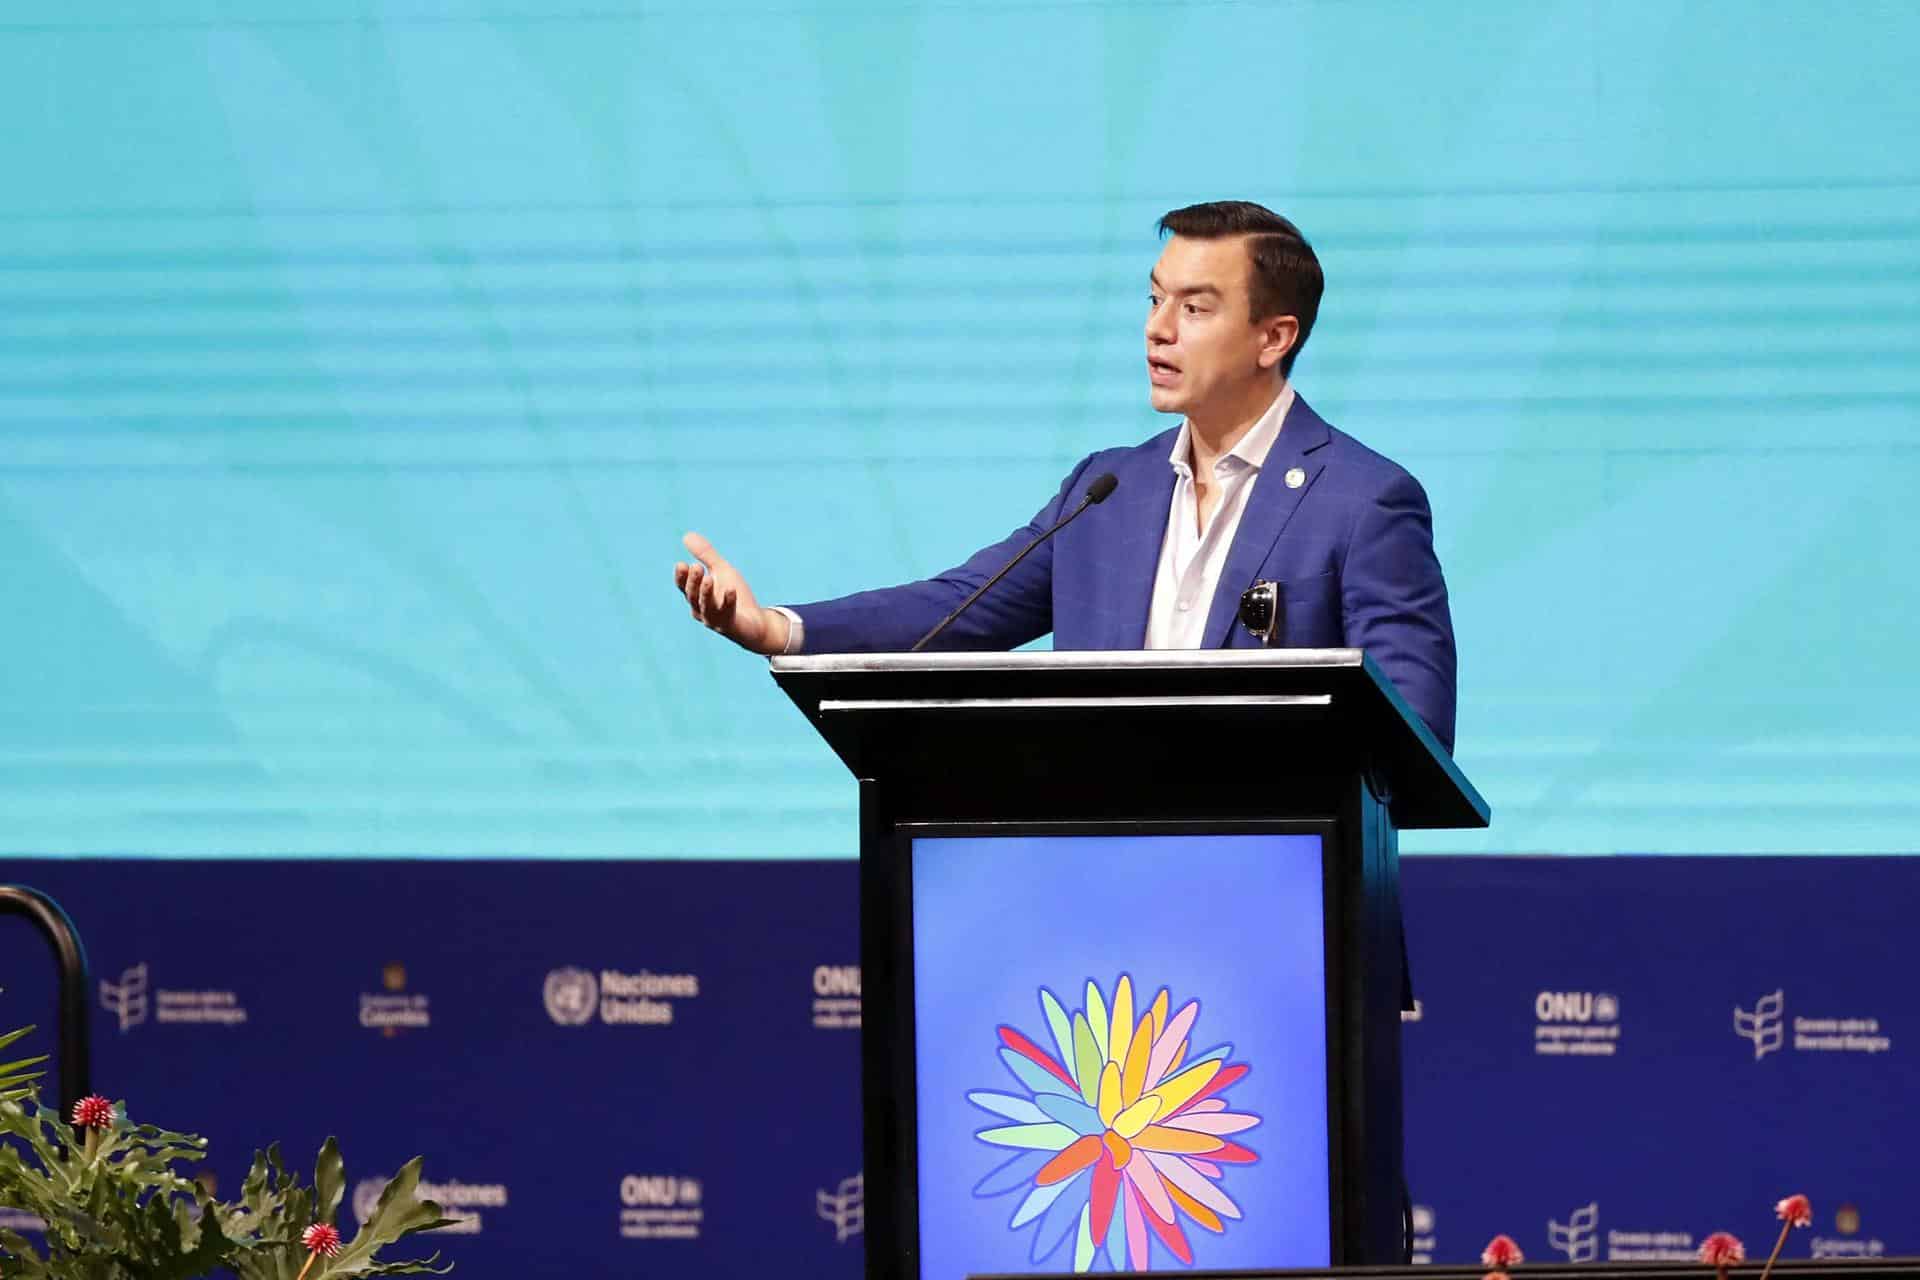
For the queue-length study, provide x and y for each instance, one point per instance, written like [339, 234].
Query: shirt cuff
[796, 630]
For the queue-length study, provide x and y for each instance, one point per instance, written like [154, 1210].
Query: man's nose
[1160, 324]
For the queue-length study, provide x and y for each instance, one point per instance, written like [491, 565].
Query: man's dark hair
[1283, 276]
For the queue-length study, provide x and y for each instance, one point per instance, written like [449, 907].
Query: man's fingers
[703, 552]
[709, 604]
[714, 588]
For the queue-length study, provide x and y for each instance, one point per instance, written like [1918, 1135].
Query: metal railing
[75, 1054]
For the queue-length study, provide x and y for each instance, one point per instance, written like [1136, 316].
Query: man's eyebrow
[1189, 291]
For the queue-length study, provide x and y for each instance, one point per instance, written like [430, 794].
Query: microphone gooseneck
[1099, 491]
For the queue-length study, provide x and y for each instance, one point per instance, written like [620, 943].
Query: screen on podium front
[1121, 1049]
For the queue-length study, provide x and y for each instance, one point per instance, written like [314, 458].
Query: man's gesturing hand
[721, 600]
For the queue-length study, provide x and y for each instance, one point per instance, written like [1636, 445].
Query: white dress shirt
[1191, 558]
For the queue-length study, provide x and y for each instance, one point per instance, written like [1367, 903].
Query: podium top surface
[1068, 660]
[1308, 698]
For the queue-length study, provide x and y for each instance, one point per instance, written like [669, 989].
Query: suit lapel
[1268, 509]
[1144, 497]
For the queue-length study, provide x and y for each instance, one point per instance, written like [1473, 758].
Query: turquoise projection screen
[361, 364]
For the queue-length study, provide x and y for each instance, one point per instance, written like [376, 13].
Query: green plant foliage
[115, 1207]
[14, 1076]
[274, 1209]
[112, 1206]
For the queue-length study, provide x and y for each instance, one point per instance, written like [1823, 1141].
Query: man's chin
[1165, 399]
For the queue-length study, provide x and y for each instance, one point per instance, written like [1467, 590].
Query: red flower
[321, 1238]
[93, 1112]
[1721, 1249]
[1795, 1211]
[1501, 1251]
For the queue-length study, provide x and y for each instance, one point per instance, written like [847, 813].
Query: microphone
[1099, 491]
[1260, 606]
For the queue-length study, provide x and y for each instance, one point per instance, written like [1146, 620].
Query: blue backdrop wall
[361, 364]
[652, 1069]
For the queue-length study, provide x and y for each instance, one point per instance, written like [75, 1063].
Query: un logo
[572, 996]
[1579, 1236]
[127, 998]
[845, 1207]
[1766, 1026]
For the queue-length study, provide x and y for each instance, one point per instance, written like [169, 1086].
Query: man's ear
[1278, 334]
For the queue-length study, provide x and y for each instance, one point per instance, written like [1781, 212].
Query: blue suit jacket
[1352, 550]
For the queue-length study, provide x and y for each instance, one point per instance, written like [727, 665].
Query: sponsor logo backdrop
[1617, 1056]
[613, 1069]
[651, 1068]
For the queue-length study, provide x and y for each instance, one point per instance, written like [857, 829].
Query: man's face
[1206, 357]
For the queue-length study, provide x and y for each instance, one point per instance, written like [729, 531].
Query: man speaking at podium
[1253, 493]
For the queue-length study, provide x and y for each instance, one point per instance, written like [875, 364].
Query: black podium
[1135, 756]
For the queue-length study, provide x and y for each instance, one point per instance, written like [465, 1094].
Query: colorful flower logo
[1120, 1135]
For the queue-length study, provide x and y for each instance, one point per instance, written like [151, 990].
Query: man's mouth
[1161, 372]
